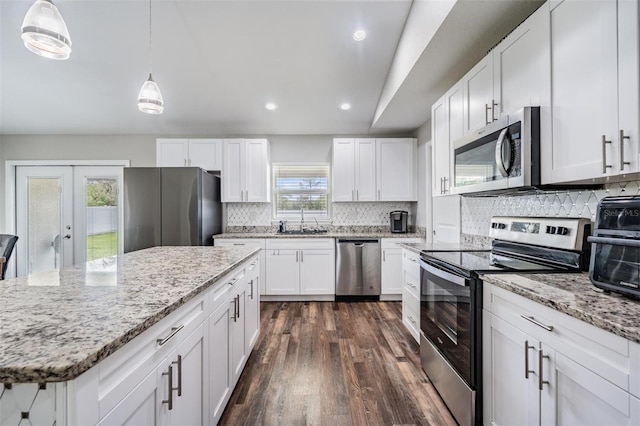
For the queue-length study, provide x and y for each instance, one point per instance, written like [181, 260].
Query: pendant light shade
[150, 98]
[44, 31]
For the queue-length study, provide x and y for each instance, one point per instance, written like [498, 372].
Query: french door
[66, 215]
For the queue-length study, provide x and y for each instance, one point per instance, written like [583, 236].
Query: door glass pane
[44, 208]
[102, 217]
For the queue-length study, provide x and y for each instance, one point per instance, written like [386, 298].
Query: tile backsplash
[343, 214]
[476, 212]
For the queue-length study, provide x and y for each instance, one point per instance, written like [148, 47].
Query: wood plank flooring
[334, 363]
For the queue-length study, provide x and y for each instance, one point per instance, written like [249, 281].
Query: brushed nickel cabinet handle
[169, 401]
[301, 256]
[297, 252]
[541, 382]
[174, 331]
[357, 195]
[179, 363]
[622, 162]
[378, 195]
[384, 257]
[235, 319]
[526, 359]
[238, 306]
[445, 184]
[232, 282]
[538, 323]
[605, 166]
[486, 114]
[493, 109]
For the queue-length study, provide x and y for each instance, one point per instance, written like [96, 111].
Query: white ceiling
[218, 62]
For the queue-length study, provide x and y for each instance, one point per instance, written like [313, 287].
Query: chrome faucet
[301, 219]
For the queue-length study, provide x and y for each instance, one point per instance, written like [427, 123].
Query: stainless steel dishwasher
[357, 267]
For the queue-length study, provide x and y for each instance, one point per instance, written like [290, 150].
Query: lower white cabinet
[245, 242]
[296, 266]
[411, 293]
[391, 267]
[545, 367]
[182, 370]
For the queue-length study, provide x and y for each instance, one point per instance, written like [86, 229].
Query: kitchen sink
[309, 231]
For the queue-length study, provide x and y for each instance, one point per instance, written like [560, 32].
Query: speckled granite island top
[573, 294]
[319, 235]
[56, 325]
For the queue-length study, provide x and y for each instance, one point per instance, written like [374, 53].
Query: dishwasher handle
[358, 242]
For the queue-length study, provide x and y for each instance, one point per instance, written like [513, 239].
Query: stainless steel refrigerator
[170, 206]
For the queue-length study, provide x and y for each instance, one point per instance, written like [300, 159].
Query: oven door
[615, 263]
[446, 315]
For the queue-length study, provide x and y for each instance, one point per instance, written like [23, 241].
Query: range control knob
[551, 229]
[562, 230]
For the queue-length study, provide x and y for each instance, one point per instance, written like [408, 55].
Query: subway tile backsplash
[476, 212]
[343, 214]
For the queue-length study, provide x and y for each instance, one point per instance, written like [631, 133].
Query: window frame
[274, 209]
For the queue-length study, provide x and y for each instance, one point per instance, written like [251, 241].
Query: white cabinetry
[203, 153]
[245, 171]
[396, 168]
[543, 367]
[297, 266]
[411, 293]
[513, 75]
[391, 268]
[244, 242]
[374, 169]
[445, 216]
[594, 78]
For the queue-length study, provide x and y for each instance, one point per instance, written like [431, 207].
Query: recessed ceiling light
[359, 35]
[345, 106]
[271, 106]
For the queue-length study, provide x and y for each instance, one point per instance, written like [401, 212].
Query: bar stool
[7, 243]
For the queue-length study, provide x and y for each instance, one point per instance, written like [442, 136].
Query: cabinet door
[575, 395]
[283, 272]
[233, 170]
[391, 273]
[205, 153]
[521, 67]
[317, 272]
[257, 180]
[629, 92]
[510, 398]
[220, 379]
[142, 406]
[446, 219]
[172, 152]
[238, 332]
[342, 172]
[253, 304]
[365, 168]
[396, 169]
[440, 146]
[477, 87]
[454, 99]
[584, 93]
[189, 381]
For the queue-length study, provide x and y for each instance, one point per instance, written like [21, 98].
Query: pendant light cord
[150, 56]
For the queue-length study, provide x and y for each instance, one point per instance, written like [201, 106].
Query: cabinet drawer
[227, 285]
[411, 263]
[602, 352]
[129, 365]
[411, 314]
[411, 283]
[301, 243]
[224, 242]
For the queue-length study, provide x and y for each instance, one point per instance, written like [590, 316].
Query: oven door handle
[452, 278]
[614, 241]
[504, 169]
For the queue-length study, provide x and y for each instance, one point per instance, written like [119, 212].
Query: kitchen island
[86, 337]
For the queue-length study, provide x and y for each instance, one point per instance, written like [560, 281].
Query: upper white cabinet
[447, 125]
[396, 168]
[594, 79]
[245, 171]
[513, 75]
[366, 169]
[445, 216]
[204, 153]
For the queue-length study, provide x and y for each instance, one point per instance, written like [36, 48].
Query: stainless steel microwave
[504, 155]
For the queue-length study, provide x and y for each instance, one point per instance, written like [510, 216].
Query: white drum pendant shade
[44, 32]
[150, 98]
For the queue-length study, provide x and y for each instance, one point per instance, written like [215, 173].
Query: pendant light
[44, 31]
[150, 98]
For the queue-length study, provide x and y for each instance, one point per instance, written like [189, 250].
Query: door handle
[486, 114]
[169, 401]
[622, 162]
[504, 169]
[526, 359]
[493, 110]
[541, 382]
[605, 166]
[179, 362]
[67, 237]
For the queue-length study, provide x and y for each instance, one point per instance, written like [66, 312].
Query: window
[301, 186]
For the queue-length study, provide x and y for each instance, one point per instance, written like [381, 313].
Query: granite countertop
[575, 295]
[373, 234]
[56, 325]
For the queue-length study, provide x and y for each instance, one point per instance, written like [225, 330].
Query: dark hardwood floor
[334, 363]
